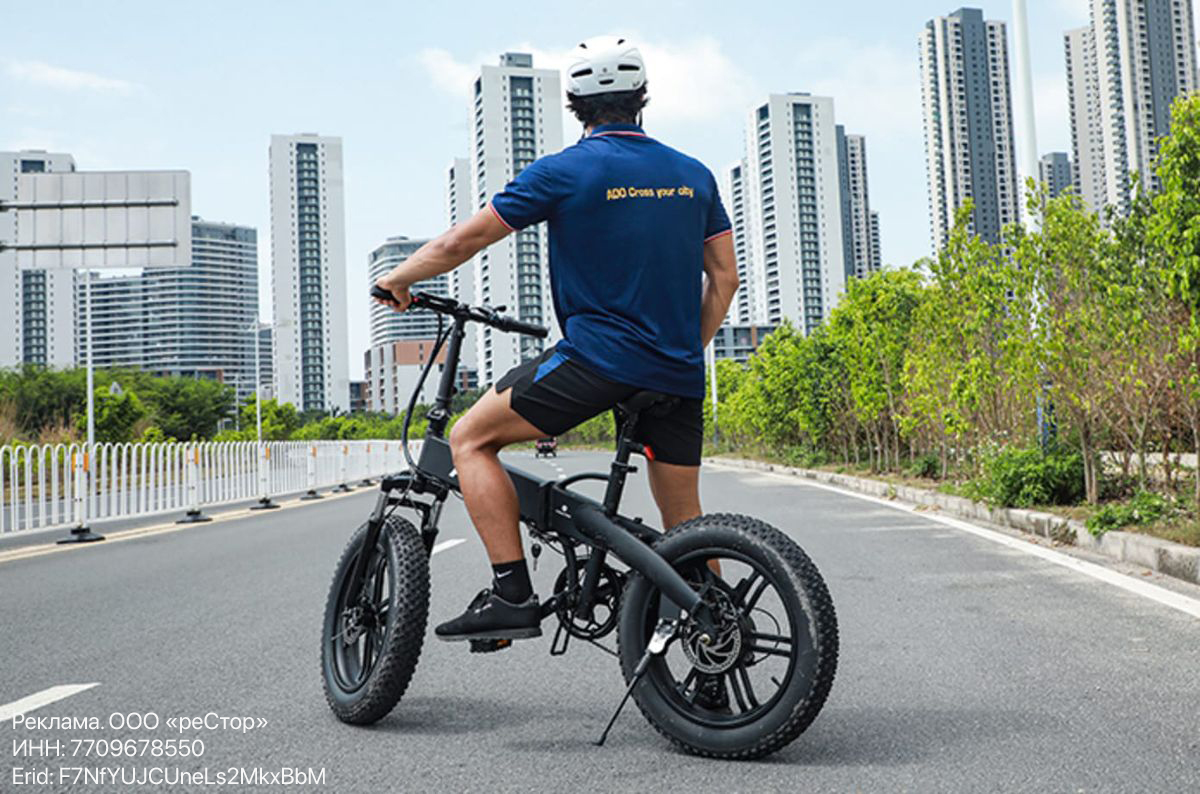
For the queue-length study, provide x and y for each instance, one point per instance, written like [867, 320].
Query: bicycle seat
[640, 401]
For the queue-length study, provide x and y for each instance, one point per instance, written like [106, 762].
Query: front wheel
[762, 681]
[370, 644]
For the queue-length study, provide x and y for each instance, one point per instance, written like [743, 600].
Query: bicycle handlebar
[479, 314]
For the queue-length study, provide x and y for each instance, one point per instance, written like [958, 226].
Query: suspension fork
[374, 526]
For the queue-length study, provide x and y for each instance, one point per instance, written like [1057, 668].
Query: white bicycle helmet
[605, 64]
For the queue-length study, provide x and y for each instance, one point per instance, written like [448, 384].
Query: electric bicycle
[725, 632]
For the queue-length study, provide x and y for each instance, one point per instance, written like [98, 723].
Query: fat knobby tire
[407, 616]
[793, 714]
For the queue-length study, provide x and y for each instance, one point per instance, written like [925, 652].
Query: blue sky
[203, 86]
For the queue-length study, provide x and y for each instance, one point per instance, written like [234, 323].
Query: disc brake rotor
[720, 653]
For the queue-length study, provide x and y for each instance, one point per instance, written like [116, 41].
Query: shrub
[1145, 507]
[803, 457]
[1024, 477]
[928, 466]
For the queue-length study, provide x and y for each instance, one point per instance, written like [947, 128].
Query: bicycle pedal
[489, 646]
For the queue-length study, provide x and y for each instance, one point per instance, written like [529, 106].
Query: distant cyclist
[642, 270]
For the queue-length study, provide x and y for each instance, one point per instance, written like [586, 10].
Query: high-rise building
[1054, 171]
[966, 96]
[1083, 87]
[748, 304]
[516, 117]
[266, 359]
[859, 235]
[739, 341]
[308, 272]
[37, 319]
[195, 321]
[393, 370]
[1123, 72]
[876, 249]
[795, 197]
[388, 325]
[459, 208]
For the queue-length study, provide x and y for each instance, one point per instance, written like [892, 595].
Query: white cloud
[1076, 8]
[689, 81]
[876, 88]
[44, 74]
[447, 74]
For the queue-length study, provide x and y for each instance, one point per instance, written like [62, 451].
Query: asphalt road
[965, 665]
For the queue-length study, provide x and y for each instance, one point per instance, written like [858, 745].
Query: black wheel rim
[360, 628]
[777, 644]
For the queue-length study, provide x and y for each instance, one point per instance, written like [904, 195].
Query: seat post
[620, 465]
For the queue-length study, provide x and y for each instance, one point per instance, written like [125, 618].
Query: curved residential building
[391, 326]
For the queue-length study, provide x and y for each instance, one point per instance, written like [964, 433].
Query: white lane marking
[1161, 595]
[446, 544]
[39, 699]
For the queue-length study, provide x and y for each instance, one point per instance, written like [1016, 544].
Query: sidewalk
[1162, 556]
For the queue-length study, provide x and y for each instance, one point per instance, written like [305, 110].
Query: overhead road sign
[103, 219]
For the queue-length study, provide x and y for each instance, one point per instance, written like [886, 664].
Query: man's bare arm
[720, 283]
[443, 254]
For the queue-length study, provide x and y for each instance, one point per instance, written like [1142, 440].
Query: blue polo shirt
[628, 220]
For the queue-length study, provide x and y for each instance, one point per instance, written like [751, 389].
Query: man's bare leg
[676, 491]
[491, 499]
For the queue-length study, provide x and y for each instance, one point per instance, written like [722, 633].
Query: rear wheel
[763, 679]
[370, 645]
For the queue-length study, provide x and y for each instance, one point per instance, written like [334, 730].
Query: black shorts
[554, 394]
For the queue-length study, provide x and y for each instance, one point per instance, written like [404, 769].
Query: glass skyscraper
[193, 322]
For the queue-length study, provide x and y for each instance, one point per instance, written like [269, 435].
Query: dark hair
[614, 107]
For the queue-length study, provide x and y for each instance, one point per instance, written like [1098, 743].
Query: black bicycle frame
[547, 506]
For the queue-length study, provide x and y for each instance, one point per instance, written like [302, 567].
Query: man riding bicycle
[642, 270]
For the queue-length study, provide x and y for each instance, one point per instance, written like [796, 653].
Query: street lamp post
[81, 533]
[1029, 164]
[264, 501]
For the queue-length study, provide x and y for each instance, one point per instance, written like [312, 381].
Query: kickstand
[555, 648]
[663, 634]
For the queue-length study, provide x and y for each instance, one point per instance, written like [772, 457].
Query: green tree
[187, 408]
[1068, 343]
[116, 416]
[1175, 230]
[968, 379]
[872, 329]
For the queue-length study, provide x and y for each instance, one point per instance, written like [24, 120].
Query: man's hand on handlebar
[396, 296]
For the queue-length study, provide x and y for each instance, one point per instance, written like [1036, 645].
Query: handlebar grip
[521, 327]
[418, 298]
[381, 293]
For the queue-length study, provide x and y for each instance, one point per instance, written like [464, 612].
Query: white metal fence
[63, 485]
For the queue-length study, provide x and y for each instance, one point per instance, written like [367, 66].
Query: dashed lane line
[39, 699]
[446, 544]
[1161, 595]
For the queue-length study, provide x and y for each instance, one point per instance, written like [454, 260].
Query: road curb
[1162, 556]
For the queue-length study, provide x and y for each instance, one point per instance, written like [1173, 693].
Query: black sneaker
[711, 693]
[490, 617]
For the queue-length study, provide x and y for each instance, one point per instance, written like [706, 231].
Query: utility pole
[81, 533]
[264, 501]
[1029, 164]
[91, 399]
[257, 379]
